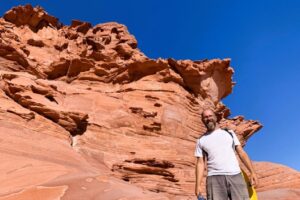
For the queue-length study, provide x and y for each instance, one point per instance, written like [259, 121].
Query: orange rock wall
[84, 114]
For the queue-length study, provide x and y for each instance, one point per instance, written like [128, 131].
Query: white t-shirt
[221, 159]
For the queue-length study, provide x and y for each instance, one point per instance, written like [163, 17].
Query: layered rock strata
[84, 114]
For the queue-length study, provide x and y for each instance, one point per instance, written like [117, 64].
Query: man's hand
[246, 160]
[253, 180]
[197, 191]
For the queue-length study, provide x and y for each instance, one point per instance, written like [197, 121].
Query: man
[216, 150]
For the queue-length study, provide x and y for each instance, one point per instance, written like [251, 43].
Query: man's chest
[217, 142]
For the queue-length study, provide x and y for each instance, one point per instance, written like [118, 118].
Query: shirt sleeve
[198, 150]
[235, 139]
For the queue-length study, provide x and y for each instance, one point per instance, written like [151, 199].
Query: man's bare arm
[199, 173]
[247, 162]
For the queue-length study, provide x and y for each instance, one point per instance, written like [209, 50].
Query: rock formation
[84, 114]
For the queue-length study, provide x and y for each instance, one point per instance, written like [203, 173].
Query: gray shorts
[224, 187]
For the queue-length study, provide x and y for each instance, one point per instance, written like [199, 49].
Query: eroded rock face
[35, 18]
[86, 115]
[276, 176]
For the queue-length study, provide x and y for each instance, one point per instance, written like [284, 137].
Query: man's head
[209, 119]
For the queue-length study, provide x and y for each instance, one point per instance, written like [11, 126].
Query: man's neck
[216, 128]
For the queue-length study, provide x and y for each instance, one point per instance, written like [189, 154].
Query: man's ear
[219, 116]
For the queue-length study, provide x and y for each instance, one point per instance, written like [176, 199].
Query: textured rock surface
[274, 176]
[84, 114]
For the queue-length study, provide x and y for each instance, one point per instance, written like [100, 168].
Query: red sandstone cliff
[84, 114]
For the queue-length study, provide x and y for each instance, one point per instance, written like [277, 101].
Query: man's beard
[210, 126]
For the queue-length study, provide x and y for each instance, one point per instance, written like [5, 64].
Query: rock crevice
[133, 120]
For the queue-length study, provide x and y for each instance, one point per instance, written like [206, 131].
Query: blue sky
[261, 37]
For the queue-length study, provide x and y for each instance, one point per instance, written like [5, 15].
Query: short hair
[206, 109]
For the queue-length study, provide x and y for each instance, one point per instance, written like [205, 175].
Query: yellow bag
[251, 189]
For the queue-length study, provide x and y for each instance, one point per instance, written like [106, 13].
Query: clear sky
[261, 37]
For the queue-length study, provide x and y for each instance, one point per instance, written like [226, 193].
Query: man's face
[209, 119]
